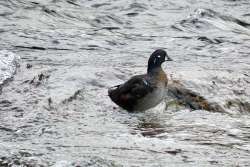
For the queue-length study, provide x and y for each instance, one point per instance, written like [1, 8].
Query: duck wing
[126, 95]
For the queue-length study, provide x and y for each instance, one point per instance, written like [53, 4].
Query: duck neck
[154, 71]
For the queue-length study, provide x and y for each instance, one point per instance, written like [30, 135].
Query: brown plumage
[142, 92]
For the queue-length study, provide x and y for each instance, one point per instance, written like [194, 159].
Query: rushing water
[55, 110]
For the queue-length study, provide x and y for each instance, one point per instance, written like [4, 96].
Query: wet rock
[192, 99]
[8, 65]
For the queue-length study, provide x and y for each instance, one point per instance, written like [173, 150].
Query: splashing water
[56, 112]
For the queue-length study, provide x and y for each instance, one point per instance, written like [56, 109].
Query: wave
[206, 20]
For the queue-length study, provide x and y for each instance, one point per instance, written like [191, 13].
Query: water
[55, 110]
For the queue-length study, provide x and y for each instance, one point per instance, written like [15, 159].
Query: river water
[58, 58]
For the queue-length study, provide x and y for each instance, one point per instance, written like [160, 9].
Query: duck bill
[169, 59]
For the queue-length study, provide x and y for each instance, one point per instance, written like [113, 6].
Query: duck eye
[158, 56]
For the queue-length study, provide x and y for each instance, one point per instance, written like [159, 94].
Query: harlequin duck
[142, 92]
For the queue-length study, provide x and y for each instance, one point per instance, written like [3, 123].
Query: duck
[142, 92]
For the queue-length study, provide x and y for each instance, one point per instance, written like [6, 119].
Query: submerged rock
[217, 92]
[192, 99]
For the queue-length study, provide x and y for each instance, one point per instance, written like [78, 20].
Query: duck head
[156, 59]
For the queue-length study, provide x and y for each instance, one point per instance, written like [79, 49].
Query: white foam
[8, 64]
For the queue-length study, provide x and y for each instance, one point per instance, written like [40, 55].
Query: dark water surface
[55, 110]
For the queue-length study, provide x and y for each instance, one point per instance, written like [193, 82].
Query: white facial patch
[158, 56]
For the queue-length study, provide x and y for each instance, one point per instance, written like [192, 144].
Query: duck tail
[113, 93]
